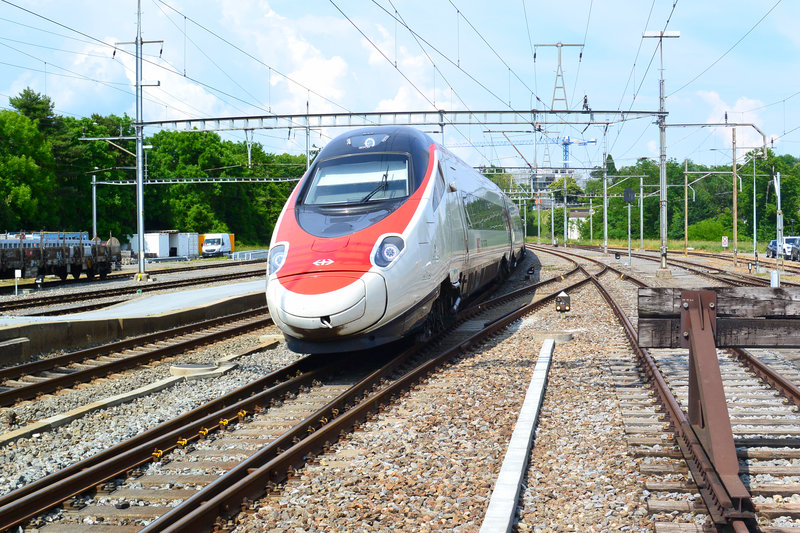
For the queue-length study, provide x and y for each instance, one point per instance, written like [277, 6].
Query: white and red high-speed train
[386, 235]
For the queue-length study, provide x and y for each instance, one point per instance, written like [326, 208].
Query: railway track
[716, 274]
[762, 400]
[109, 293]
[27, 381]
[675, 503]
[225, 481]
[55, 283]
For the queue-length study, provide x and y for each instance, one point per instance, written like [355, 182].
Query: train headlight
[277, 255]
[388, 251]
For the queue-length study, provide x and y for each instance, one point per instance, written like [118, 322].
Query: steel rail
[708, 481]
[128, 275]
[695, 269]
[785, 386]
[39, 496]
[26, 369]
[563, 254]
[53, 384]
[121, 291]
[271, 466]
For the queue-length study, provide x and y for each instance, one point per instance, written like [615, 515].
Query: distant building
[575, 216]
[168, 243]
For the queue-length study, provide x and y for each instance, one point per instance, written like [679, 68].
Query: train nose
[297, 304]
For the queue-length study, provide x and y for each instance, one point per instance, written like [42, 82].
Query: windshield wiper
[383, 185]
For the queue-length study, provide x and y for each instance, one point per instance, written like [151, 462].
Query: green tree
[26, 177]
[36, 107]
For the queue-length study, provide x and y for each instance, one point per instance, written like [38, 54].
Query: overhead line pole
[734, 170]
[139, 126]
[735, 201]
[605, 192]
[662, 161]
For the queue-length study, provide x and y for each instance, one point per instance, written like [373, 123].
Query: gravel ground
[29, 459]
[156, 275]
[429, 463]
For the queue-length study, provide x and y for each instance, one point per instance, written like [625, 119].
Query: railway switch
[562, 302]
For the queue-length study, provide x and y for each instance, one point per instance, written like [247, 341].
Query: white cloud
[280, 43]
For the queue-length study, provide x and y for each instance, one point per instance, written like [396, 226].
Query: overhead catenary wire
[254, 58]
[644, 76]
[709, 67]
[503, 61]
[580, 57]
[186, 37]
[430, 59]
[157, 65]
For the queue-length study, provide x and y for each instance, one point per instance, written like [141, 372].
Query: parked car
[788, 244]
[216, 244]
[771, 247]
[794, 252]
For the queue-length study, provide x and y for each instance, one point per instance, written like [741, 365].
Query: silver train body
[388, 234]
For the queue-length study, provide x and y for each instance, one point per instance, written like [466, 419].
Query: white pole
[139, 146]
[94, 205]
[755, 251]
[641, 213]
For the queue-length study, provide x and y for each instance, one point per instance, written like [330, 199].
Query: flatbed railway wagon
[60, 254]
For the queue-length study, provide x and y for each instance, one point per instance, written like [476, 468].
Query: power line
[580, 57]
[17, 23]
[652, 58]
[94, 39]
[205, 54]
[503, 61]
[727, 51]
[636, 57]
[254, 58]
[447, 58]
[442, 74]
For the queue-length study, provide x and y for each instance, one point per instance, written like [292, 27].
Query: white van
[216, 244]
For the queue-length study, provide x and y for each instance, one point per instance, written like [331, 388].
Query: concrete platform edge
[503, 503]
[45, 336]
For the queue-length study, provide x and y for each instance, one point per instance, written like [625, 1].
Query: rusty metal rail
[41, 495]
[38, 301]
[786, 387]
[71, 377]
[129, 275]
[270, 466]
[731, 278]
[716, 476]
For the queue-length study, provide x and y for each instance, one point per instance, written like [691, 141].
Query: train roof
[393, 139]
[377, 138]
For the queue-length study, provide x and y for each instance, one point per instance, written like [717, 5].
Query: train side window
[438, 188]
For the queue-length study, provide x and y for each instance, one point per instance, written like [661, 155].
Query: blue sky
[250, 57]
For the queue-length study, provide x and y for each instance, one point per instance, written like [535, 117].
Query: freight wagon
[59, 254]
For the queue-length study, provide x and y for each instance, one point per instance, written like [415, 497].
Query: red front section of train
[323, 289]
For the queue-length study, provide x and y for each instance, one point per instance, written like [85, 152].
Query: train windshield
[359, 179]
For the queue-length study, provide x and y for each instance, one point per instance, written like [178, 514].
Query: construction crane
[568, 141]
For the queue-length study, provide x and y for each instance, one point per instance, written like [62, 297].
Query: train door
[455, 223]
[510, 230]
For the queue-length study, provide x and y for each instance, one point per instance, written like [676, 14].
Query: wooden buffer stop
[704, 320]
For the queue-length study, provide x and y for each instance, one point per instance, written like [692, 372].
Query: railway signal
[562, 302]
